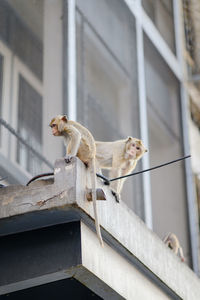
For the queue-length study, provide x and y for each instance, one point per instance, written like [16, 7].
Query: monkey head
[57, 124]
[134, 148]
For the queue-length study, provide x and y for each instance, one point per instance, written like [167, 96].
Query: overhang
[133, 264]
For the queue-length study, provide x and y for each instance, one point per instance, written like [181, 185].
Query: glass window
[161, 13]
[107, 77]
[31, 37]
[21, 30]
[29, 125]
[165, 139]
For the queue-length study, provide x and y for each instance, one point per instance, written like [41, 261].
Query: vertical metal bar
[72, 101]
[143, 118]
[191, 203]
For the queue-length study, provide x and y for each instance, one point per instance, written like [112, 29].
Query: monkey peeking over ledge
[173, 243]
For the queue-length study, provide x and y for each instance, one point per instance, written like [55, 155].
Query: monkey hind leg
[115, 185]
[94, 199]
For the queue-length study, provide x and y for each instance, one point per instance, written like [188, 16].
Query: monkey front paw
[117, 196]
[68, 158]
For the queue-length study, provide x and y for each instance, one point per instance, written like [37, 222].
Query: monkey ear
[129, 138]
[52, 121]
[64, 118]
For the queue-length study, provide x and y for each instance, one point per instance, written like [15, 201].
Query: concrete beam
[123, 232]
[47, 255]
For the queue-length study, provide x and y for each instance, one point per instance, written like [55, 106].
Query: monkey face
[135, 148]
[54, 128]
[57, 125]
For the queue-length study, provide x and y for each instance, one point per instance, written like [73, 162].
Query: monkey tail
[94, 199]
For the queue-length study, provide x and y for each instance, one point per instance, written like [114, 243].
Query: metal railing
[23, 141]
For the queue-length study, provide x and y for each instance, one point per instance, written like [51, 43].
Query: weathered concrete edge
[79, 272]
[122, 229]
[135, 240]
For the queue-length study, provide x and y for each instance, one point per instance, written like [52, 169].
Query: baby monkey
[172, 242]
[79, 142]
[120, 157]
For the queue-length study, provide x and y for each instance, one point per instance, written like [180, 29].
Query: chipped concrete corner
[16, 200]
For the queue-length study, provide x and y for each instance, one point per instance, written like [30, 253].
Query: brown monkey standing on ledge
[120, 157]
[79, 142]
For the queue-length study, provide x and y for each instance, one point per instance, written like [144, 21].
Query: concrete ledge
[123, 231]
[46, 255]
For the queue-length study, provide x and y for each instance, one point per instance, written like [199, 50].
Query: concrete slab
[65, 201]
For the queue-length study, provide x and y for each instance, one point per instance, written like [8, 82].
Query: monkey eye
[138, 148]
[133, 145]
[53, 125]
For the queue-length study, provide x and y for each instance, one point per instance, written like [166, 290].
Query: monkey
[120, 157]
[79, 142]
[172, 242]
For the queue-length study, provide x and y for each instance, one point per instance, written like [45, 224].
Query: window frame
[6, 95]
[19, 68]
